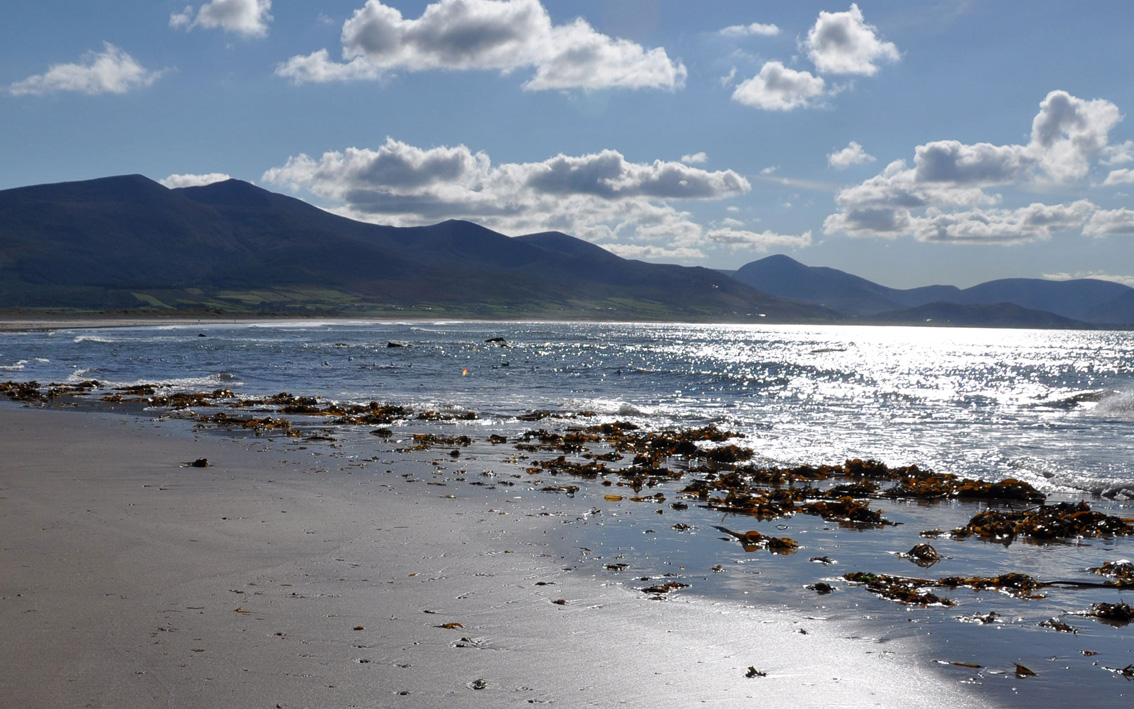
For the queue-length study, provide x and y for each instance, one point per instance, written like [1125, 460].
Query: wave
[93, 338]
[609, 407]
[1116, 404]
[189, 384]
[19, 365]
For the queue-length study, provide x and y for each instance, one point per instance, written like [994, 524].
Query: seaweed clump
[1065, 520]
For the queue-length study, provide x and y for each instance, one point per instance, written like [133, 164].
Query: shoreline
[137, 581]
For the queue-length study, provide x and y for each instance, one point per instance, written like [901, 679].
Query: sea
[1054, 408]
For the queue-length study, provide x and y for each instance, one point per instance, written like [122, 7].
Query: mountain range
[128, 244]
[1038, 302]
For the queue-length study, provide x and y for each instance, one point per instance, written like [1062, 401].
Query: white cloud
[760, 241]
[945, 196]
[1095, 275]
[755, 28]
[695, 158]
[1118, 154]
[842, 43]
[777, 88]
[652, 252]
[1035, 222]
[849, 156]
[111, 71]
[727, 79]
[1068, 131]
[245, 17]
[488, 35]
[601, 196]
[1110, 222]
[1119, 177]
[175, 181]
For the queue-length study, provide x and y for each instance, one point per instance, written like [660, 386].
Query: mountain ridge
[1085, 302]
[129, 243]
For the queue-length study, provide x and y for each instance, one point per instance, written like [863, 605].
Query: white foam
[1119, 404]
[20, 364]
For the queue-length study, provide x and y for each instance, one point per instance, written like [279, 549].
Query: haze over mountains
[129, 244]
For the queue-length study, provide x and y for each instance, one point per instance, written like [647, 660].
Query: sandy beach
[278, 578]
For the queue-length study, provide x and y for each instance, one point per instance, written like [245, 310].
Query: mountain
[1082, 302]
[129, 244]
[958, 315]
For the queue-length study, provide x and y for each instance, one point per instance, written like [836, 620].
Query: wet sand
[268, 579]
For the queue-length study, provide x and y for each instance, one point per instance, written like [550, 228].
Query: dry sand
[129, 580]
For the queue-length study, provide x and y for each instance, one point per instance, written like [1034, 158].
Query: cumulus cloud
[838, 43]
[654, 252]
[1095, 275]
[245, 17]
[946, 195]
[849, 156]
[111, 71]
[487, 35]
[601, 196]
[1110, 222]
[175, 181]
[756, 241]
[1124, 176]
[755, 28]
[1118, 154]
[695, 158]
[777, 88]
[1035, 222]
[842, 43]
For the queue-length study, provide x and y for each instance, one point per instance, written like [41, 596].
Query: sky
[911, 143]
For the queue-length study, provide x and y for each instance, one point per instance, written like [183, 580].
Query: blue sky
[945, 141]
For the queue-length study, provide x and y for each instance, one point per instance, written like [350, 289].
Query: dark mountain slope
[124, 242]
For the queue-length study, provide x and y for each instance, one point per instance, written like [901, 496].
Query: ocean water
[1054, 408]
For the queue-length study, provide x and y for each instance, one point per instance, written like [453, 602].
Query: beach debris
[1064, 520]
[1122, 571]
[1127, 672]
[478, 684]
[899, 588]
[754, 541]
[425, 441]
[752, 672]
[1116, 613]
[981, 618]
[909, 590]
[1022, 671]
[824, 560]
[822, 588]
[1057, 624]
[927, 485]
[560, 601]
[616, 567]
[1014, 584]
[659, 590]
[969, 665]
[924, 555]
[449, 626]
[199, 463]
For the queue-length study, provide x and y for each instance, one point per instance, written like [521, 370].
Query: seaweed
[1065, 520]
